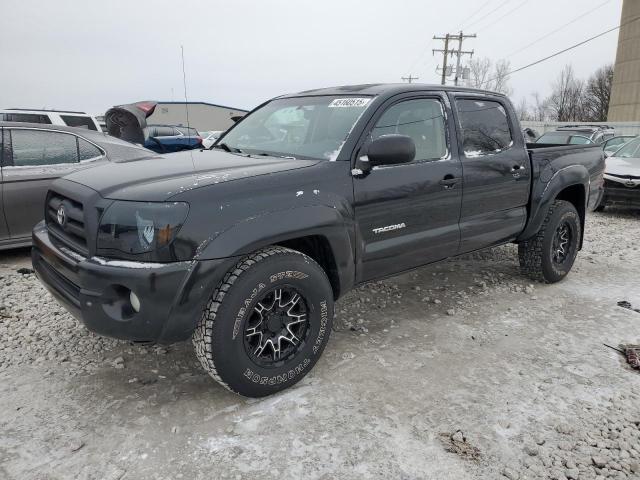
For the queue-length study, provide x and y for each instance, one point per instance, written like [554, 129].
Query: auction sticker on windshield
[349, 102]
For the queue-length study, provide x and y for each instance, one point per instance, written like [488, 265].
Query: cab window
[422, 120]
[484, 126]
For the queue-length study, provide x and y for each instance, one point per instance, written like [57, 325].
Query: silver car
[622, 177]
[32, 156]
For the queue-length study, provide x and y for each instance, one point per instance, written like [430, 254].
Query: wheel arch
[570, 184]
[320, 232]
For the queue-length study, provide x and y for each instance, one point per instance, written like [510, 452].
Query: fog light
[135, 302]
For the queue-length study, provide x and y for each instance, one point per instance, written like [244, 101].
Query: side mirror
[391, 149]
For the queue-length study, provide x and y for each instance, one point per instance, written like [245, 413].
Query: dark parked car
[622, 177]
[244, 248]
[577, 135]
[168, 138]
[32, 156]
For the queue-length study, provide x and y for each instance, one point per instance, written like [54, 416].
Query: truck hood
[623, 166]
[164, 176]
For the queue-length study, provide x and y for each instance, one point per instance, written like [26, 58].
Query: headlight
[141, 230]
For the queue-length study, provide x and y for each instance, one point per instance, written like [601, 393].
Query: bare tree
[566, 102]
[480, 69]
[597, 94]
[489, 76]
[500, 81]
[540, 109]
[523, 111]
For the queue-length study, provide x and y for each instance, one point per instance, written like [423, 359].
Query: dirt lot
[462, 370]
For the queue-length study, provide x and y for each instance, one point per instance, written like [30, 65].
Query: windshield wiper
[265, 154]
[226, 148]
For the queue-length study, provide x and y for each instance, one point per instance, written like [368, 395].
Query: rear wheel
[267, 323]
[549, 255]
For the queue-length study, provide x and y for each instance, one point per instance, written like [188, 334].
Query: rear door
[496, 171]
[4, 232]
[407, 214]
[36, 157]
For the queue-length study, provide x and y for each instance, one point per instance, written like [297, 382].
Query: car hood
[623, 166]
[164, 176]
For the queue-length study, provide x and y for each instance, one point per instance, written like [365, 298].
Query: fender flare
[275, 227]
[545, 192]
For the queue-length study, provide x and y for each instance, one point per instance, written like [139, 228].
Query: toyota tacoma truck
[244, 248]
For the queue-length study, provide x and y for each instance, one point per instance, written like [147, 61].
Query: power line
[487, 14]
[473, 14]
[558, 29]
[509, 12]
[565, 50]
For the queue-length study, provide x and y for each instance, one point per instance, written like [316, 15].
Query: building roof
[160, 102]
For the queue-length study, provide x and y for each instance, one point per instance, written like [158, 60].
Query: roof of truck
[387, 89]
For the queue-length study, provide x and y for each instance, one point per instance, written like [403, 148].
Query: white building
[203, 116]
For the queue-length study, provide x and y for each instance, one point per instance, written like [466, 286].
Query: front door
[407, 214]
[496, 173]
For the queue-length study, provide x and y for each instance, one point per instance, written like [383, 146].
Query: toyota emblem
[61, 216]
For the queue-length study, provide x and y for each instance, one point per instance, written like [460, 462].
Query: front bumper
[96, 291]
[619, 191]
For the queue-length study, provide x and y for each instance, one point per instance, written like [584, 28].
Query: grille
[71, 232]
[608, 184]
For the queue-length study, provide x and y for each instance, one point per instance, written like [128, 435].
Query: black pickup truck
[245, 247]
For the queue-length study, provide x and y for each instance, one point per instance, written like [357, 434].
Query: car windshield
[302, 127]
[630, 150]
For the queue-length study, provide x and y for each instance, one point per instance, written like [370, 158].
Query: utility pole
[410, 78]
[457, 52]
[445, 56]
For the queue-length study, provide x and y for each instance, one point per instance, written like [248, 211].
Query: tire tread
[202, 338]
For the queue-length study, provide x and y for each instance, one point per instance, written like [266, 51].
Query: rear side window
[485, 127]
[87, 151]
[35, 147]
[578, 140]
[187, 131]
[26, 117]
[78, 121]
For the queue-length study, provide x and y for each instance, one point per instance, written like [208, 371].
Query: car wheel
[267, 323]
[549, 255]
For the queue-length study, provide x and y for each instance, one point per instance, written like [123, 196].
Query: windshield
[630, 150]
[304, 127]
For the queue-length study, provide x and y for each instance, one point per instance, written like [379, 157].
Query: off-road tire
[536, 254]
[219, 338]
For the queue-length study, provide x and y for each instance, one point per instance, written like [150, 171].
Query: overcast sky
[90, 55]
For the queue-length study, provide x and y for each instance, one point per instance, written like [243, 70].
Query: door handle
[516, 169]
[448, 181]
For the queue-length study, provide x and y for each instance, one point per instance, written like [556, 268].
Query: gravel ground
[461, 370]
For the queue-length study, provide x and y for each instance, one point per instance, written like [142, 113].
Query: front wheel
[549, 255]
[267, 323]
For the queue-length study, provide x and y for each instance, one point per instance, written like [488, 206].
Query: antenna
[184, 82]
[186, 104]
